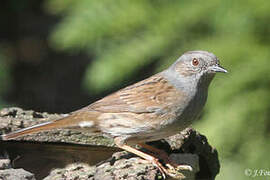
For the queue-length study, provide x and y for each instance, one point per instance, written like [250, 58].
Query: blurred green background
[59, 55]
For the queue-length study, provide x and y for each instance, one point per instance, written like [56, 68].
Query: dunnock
[152, 109]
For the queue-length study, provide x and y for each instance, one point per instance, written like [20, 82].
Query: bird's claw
[169, 169]
[175, 171]
[184, 168]
[179, 167]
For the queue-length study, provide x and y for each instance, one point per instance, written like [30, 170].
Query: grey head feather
[187, 78]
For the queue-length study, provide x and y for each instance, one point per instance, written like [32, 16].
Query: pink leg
[164, 156]
[149, 158]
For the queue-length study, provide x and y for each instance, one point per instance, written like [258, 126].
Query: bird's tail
[60, 123]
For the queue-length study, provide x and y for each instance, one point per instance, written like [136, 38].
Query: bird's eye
[195, 62]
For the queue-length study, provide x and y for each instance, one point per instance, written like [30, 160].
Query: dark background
[58, 56]
[40, 78]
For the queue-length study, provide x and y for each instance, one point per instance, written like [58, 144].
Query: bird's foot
[172, 165]
[175, 170]
[179, 167]
[171, 168]
[167, 170]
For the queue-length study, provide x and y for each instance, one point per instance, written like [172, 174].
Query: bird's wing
[150, 95]
[153, 95]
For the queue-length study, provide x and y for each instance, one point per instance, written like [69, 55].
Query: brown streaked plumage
[152, 109]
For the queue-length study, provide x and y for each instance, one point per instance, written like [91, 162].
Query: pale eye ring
[195, 62]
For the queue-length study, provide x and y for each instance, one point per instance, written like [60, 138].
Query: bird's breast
[194, 107]
[187, 110]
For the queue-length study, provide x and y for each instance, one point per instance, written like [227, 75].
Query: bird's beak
[217, 68]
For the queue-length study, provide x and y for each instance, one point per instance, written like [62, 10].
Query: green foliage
[125, 35]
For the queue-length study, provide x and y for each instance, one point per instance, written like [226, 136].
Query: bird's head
[197, 66]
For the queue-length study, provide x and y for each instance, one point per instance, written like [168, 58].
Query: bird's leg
[147, 157]
[160, 153]
[164, 156]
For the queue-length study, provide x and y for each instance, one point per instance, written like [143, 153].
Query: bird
[152, 109]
